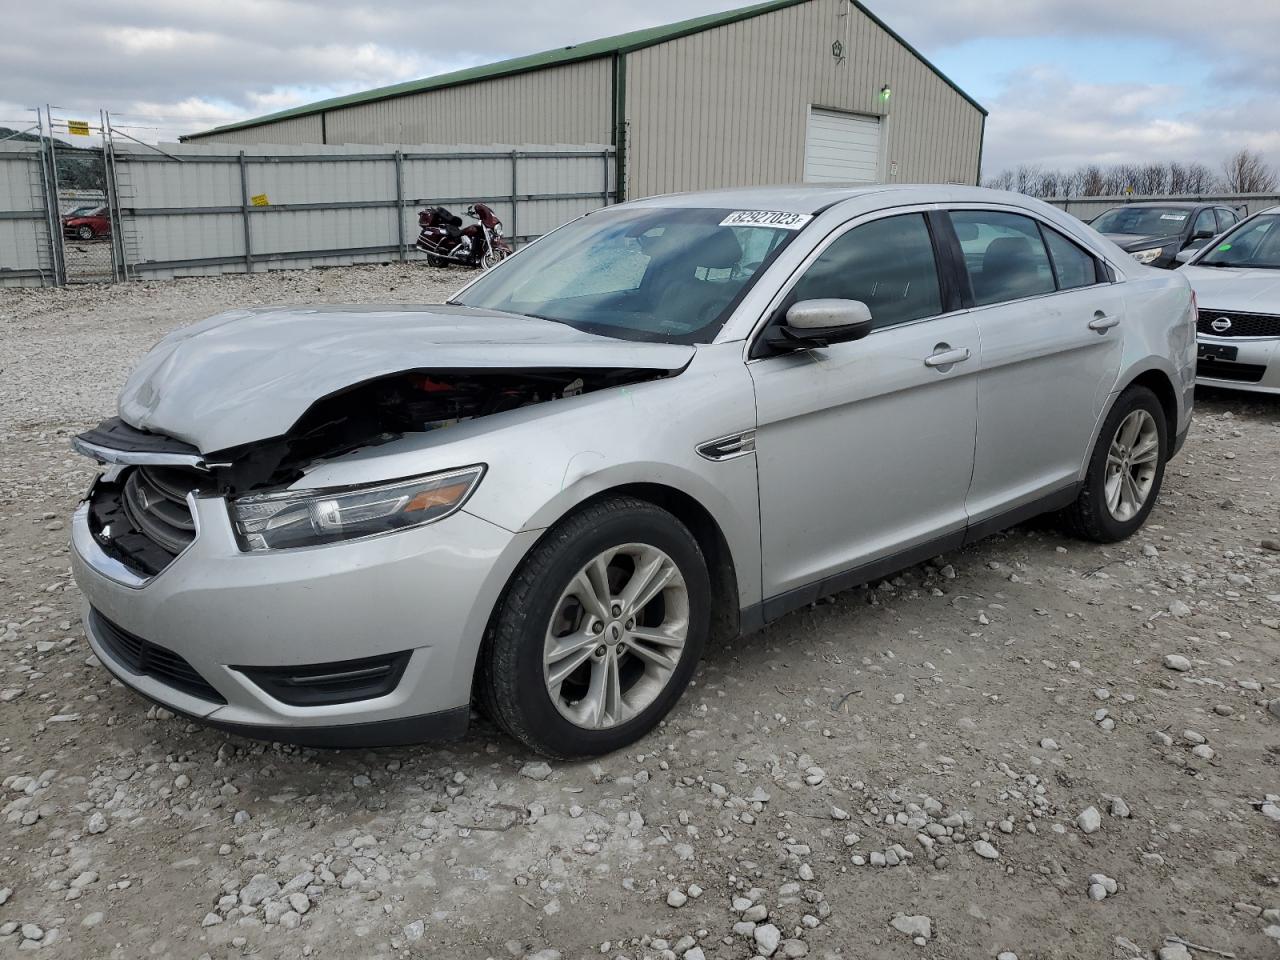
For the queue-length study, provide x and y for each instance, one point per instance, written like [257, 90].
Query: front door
[865, 449]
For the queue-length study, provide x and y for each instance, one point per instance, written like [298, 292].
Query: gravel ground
[1033, 748]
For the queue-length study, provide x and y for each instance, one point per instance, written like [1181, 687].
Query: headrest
[1006, 250]
[718, 251]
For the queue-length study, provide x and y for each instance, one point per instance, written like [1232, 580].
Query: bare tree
[1093, 181]
[1151, 179]
[1200, 179]
[1001, 181]
[1247, 172]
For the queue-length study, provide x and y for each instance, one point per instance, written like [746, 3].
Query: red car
[87, 223]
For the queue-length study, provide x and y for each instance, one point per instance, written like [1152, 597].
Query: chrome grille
[155, 501]
[1230, 323]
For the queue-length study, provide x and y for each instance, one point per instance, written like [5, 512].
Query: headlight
[304, 518]
[1148, 256]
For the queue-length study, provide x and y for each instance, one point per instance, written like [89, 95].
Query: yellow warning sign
[79, 127]
[260, 200]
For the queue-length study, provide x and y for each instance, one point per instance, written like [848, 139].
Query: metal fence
[28, 226]
[188, 210]
[1086, 208]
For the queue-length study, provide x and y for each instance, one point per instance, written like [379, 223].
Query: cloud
[1045, 117]
[167, 68]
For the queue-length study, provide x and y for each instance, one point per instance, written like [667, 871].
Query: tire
[1095, 515]
[434, 261]
[515, 669]
[85, 232]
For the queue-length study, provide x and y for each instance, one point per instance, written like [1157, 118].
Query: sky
[1066, 82]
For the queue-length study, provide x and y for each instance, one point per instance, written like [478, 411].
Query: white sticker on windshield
[777, 219]
[1173, 216]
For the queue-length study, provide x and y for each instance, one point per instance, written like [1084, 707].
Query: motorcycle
[445, 240]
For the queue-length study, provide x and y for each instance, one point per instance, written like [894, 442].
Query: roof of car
[815, 197]
[1175, 204]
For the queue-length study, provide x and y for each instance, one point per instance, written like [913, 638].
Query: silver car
[1236, 279]
[672, 419]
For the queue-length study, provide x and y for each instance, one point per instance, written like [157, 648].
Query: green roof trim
[593, 49]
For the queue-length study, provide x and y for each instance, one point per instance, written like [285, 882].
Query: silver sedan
[1236, 279]
[668, 420]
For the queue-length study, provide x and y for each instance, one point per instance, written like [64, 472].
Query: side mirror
[1203, 235]
[820, 323]
[1184, 256]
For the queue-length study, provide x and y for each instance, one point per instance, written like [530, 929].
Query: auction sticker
[777, 219]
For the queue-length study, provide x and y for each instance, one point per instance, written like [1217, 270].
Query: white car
[1237, 284]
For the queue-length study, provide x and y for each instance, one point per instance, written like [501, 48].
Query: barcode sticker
[777, 219]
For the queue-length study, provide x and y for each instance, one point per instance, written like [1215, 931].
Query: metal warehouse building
[782, 91]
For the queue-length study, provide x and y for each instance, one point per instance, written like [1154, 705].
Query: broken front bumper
[210, 634]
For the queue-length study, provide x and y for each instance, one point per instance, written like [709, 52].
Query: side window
[1003, 254]
[1226, 220]
[1072, 266]
[1205, 223]
[888, 264]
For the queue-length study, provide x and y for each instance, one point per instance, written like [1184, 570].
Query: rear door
[865, 449]
[1050, 324]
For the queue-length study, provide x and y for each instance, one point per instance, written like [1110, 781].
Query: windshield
[1143, 221]
[1255, 243]
[662, 274]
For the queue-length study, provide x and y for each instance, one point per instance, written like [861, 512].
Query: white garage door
[842, 147]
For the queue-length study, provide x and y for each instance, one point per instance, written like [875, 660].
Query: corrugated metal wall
[295, 130]
[1086, 208]
[26, 258]
[729, 105]
[722, 107]
[186, 214]
[565, 104]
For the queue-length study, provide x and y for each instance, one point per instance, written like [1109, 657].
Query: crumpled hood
[1248, 290]
[250, 374]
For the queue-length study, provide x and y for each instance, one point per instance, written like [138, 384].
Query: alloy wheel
[616, 636]
[1132, 460]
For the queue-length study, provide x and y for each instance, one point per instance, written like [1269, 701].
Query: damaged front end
[141, 512]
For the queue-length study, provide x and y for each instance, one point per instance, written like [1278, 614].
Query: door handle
[946, 357]
[1102, 323]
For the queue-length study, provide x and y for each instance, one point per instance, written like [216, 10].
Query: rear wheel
[599, 631]
[1125, 471]
[434, 261]
[85, 232]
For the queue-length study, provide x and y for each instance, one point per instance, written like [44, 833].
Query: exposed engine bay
[367, 414]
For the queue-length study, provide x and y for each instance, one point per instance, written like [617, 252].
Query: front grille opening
[147, 659]
[1237, 324]
[142, 518]
[323, 684]
[1229, 370]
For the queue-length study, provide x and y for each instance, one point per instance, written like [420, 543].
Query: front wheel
[491, 258]
[85, 232]
[598, 632]
[1125, 471]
